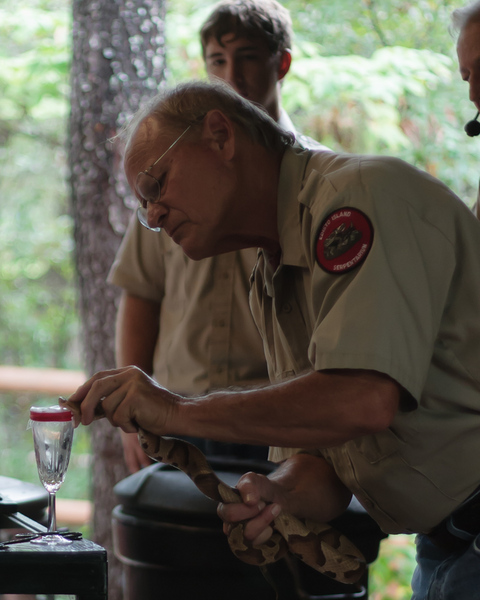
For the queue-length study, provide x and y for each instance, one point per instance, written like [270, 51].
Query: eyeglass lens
[143, 219]
[147, 188]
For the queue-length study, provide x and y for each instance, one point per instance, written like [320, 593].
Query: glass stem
[52, 518]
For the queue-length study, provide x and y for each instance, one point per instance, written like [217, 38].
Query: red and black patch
[344, 240]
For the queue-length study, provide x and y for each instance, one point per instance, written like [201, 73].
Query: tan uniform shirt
[410, 310]
[207, 337]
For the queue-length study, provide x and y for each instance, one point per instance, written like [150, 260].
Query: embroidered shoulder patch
[344, 240]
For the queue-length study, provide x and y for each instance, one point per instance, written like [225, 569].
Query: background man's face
[248, 66]
[468, 50]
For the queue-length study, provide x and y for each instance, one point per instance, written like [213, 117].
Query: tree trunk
[118, 60]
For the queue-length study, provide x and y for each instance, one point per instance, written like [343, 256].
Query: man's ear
[219, 130]
[284, 64]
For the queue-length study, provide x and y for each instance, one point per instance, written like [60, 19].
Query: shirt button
[287, 307]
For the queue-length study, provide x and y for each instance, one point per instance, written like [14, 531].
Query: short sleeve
[139, 264]
[385, 314]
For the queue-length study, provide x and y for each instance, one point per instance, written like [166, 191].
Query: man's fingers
[263, 537]
[104, 387]
[259, 528]
[254, 488]
[231, 513]
[102, 391]
[258, 509]
[83, 390]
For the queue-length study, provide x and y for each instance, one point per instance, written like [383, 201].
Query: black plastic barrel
[19, 498]
[169, 538]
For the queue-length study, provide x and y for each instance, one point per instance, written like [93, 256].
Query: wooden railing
[44, 381]
[57, 382]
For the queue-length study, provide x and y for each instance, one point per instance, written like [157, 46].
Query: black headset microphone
[472, 128]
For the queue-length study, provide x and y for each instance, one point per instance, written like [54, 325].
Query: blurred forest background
[373, 76]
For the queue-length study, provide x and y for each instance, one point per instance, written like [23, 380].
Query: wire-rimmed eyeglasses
[148, 188]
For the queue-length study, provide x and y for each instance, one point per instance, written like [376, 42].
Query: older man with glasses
[372, 348]
[187, 322]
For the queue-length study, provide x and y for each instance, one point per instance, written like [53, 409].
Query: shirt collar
[292, 173]
[285, 122]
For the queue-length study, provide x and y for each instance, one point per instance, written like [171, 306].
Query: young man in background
[187, 322]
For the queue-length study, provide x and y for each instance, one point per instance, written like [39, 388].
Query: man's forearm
[136, 332]
[319, 409]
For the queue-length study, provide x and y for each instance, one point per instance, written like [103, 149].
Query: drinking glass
[52, 428]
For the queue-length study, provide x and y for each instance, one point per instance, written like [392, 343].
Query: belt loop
[457, 532]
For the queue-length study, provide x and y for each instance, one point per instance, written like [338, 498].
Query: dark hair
[186, 104]
[265, 19]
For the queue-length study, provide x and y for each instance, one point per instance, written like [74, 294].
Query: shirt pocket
[375, 448]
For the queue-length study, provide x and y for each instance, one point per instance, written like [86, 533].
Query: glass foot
[51, 540]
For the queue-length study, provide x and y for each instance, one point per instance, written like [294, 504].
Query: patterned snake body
[318, 545]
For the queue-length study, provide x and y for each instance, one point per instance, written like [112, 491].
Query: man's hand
[305, 486]
[129, 399]
[255, 490]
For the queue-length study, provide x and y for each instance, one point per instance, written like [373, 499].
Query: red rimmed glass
[52, 429]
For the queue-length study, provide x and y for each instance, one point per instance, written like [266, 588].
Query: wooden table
[79, 569]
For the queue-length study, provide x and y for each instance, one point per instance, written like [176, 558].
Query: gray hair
[187, 103]
[463, 16]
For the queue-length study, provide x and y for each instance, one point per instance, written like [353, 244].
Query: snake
[319, 545]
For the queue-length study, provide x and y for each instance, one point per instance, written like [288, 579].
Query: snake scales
[318, 545]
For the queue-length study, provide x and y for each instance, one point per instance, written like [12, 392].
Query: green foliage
[376, 76]
[346, 28]
[38, 320]
[35, 63]
[371, 90]
[183, 49]
[403, 102]
[391, 573]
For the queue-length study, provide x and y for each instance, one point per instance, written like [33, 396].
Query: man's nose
[155, 214]
[233, 74]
